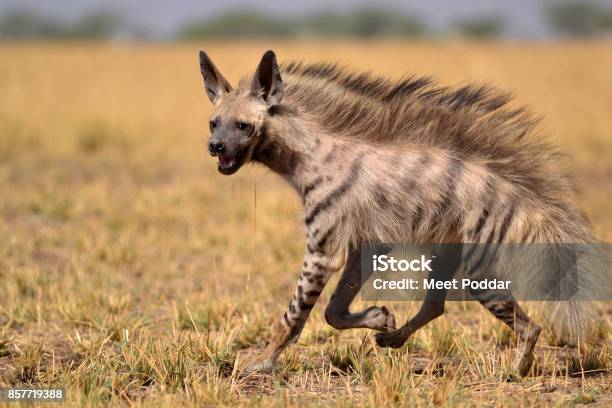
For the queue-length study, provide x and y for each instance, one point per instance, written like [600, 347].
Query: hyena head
[238, 116]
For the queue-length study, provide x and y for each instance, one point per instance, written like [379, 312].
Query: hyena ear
[267, 82]
[214, 83]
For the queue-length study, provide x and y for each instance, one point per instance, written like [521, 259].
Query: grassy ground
[134, 273]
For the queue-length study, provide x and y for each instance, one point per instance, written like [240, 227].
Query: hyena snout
[216, 146]
[232, 154]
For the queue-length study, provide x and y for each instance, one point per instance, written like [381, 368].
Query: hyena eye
[242, 125]
[212, 124]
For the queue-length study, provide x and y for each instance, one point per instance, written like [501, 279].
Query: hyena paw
[523, 360]
[379, 318]
[390, 319]
[393, 339]
[254, 363]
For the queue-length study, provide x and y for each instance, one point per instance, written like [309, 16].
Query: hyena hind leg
[444, 268]
[509, 312]
[429, 311]
[337, 313]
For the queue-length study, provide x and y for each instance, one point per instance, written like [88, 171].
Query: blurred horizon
[157, 20]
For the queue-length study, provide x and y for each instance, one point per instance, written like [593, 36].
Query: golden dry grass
[134, 273]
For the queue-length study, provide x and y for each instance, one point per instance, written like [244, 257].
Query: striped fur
[377, 161]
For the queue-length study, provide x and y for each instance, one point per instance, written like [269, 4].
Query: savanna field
[134, 274]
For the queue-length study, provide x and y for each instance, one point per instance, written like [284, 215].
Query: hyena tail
[571, 276]
[575, 316]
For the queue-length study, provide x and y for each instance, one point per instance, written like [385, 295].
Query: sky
[524, 17]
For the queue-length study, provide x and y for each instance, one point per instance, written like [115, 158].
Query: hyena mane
[472, 121]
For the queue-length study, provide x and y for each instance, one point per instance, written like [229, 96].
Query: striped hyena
[376, 161]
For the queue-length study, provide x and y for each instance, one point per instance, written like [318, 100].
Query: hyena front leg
[316, 271]
[337, 313]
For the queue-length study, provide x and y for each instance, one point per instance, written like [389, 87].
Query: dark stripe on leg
[324, 238]
[311, 293]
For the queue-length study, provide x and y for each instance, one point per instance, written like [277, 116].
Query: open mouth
[229, 164]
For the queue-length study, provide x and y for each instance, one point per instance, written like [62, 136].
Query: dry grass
[134, 273]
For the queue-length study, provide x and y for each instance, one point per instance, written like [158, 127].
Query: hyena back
[379, 162]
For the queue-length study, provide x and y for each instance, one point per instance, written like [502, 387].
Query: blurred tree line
[360, 23]
[25, 23]
[580, 18]
[569, 18]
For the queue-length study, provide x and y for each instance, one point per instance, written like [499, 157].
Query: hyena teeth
[382, 162]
